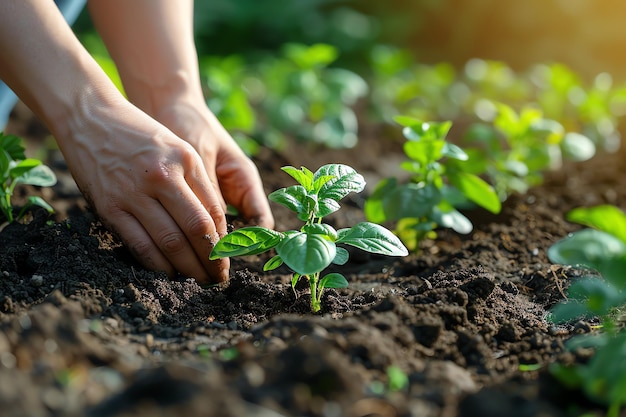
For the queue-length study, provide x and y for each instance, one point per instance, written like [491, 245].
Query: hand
[229, 169]
[151, 188]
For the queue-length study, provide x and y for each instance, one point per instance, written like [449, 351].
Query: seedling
[602, 249]
[310, 250]
[520, 146]
[15, 169]
[439, 183]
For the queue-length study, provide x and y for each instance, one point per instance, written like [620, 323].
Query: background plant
[441, 179]
[402, 85]
[295, 95]
[16, 169]
[517, 148]
[599, 293]
[310, 250]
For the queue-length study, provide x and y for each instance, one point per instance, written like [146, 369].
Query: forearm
[44, 63]
[152, 43]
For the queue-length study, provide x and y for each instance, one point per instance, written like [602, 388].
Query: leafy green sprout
[315, 246]
[601, 249]
[441, 179]
[516, 148]
[16, 169]
[397, 380]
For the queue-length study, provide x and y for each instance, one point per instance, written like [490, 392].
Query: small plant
[519, 147]
[310, 250]
[15, 169]
[438, 184]
[296, 95]
[600, 293]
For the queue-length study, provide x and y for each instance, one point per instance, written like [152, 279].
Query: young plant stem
[6, 207]
[316, 299]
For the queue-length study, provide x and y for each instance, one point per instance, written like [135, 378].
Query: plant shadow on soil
[85, 331]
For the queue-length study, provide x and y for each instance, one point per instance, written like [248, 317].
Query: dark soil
[85, 331]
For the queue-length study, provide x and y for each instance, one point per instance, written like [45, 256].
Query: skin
[157, 167]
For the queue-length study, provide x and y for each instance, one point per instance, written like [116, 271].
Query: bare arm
[41, 60]
[145, 182]
[152, 44]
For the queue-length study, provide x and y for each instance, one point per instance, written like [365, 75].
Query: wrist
[156, 96]
[77, 107]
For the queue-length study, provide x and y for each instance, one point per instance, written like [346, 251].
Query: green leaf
[295, 279]
[598, 296]
[407, 121]
[40, 175]
[587, 247]
[569, 376]
[304, 176]
[346, 180]
[341, 257]
[320, 181]
[604, 377]
[374, 208]
[295, 198]
[551, 130]
[606, 218]
[453, 151]
[321, 229]
[246, 241]
[507, 120]
[337, 130]
[424, 130]
[518, 168]
[348, 84]
[317, 55]
[476, 190]
[18, 168]
[613, 269]
[578, 147]
[391, 201]
[306, 254]
[34, 200]
[333, 280]
[452, 219]
[373, 238]
[568, 310]
[326, 206]
[5, 161]
[12, 145]
[424, 152]
[273, 263]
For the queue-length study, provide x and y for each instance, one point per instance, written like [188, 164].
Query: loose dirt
[86, 331]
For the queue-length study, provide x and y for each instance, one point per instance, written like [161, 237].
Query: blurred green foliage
[296, 94]
[438, 185]
[598, 294]
[245, 27]
[401, 85]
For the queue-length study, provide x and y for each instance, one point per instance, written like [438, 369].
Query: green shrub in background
[516, 149]
[401, 85]
[16, 169]
[437, 186]
[296, 94]
[250, 28]
[598, 294]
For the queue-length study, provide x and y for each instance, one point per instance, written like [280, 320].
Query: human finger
[196, 208]
[171, 235]
[242, 187]
[139, 242]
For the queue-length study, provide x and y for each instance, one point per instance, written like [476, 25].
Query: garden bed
[457, 329]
